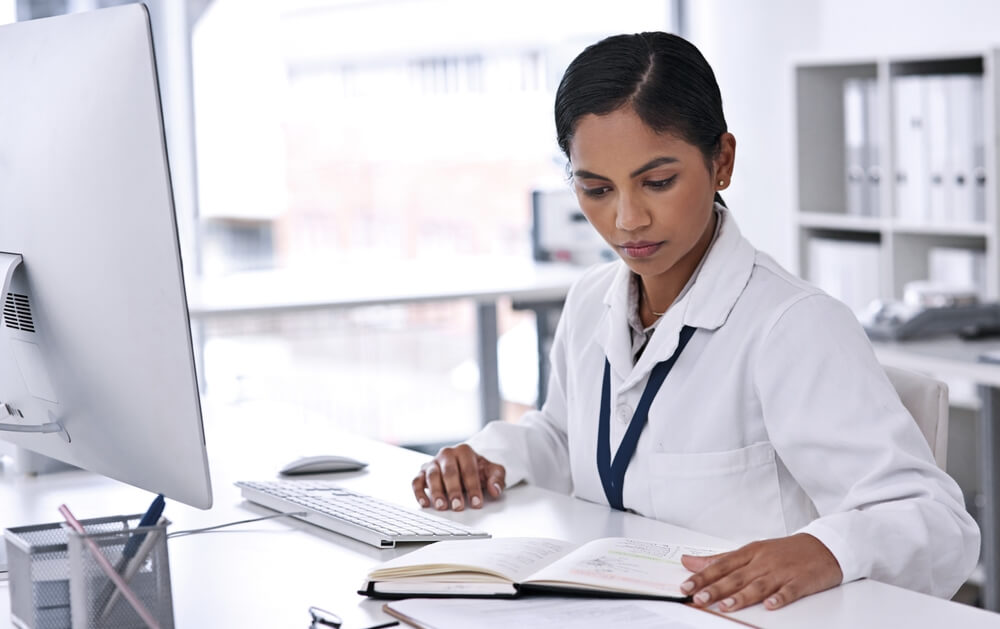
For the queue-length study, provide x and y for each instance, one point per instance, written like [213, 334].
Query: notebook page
[512, 558]
[623, 565]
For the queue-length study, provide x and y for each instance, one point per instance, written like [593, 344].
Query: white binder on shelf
[961, 142]
[873, 163]
[911, 177]
[939, 181]
[979, 175]
[855, 146]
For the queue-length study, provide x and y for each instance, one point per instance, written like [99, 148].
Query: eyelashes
[653, 184]
[596, 193]
[661, 184]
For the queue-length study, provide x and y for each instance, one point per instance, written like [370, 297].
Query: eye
[597, 192]
[661, 184]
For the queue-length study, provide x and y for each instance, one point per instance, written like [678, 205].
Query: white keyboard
[367, 519]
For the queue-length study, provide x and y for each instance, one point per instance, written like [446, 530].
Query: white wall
[904, 26]
[752, 45]
[748, 45]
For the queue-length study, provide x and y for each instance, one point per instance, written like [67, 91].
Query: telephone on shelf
[929, 310]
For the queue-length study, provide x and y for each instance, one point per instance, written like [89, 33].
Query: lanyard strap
[613, 473]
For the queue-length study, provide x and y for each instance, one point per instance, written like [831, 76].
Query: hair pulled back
[662, 77]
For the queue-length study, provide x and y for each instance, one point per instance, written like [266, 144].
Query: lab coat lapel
[722, 278]
[718, 286]
[707, 305]
[612, 333]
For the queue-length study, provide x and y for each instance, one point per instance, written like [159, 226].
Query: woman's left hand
[778, 570]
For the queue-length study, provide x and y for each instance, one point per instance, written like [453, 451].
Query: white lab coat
[776, 419]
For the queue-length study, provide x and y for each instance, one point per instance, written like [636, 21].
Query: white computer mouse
[321, 464]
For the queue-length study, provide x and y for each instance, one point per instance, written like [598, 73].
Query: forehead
[621, 141]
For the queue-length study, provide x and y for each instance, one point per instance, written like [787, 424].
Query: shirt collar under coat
[720, 282]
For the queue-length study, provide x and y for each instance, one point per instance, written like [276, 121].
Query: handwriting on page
[651, 566]
[523, 557]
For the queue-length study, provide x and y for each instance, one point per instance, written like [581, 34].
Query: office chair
[927, 400]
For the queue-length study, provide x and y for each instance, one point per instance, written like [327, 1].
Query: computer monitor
[95, 340]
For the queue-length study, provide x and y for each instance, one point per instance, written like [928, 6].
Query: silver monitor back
[95, 332]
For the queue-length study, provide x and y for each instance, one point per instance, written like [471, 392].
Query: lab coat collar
[707, 304]
[722, 278]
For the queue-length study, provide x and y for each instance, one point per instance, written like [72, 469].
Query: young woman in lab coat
[769, 417]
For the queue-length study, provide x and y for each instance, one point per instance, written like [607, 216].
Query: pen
[132, 568]
[151, 517]
[108, 569]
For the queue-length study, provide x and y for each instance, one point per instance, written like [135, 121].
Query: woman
[737, 399]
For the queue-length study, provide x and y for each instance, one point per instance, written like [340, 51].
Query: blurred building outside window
[337, 137]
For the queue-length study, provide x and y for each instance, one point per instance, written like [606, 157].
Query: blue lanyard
[613, 473]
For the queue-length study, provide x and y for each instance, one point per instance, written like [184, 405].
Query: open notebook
[511, 566]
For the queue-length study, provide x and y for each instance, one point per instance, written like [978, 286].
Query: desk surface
[267, 574]
[946, 355]
[483, 279]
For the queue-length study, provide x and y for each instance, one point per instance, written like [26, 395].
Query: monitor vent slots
[17, 313]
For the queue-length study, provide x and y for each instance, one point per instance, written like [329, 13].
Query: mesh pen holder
[56, 583]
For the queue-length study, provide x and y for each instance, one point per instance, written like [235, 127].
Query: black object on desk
[900, 322]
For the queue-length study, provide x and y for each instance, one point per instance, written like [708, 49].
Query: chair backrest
[927, 400]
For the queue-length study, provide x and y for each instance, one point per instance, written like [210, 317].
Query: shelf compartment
[842, 222]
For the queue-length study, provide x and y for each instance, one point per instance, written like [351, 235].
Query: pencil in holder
[56, 583]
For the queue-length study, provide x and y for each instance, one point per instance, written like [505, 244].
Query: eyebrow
[650, 165]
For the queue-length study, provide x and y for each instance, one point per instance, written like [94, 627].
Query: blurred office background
[334, 138]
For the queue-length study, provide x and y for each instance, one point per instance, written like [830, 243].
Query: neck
[660, 291]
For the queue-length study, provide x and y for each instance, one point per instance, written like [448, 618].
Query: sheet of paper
[546, 613]
[622, 564]
[514, 558]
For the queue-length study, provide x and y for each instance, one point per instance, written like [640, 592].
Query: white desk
[267, 574]
[486, 280]
[538, 285]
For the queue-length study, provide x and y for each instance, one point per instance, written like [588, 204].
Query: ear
[724, 160]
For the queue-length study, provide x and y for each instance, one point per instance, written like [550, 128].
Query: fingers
[457, 475]
[493, 477]
[460, 474]
[776, 572]
[697, 563]
[420, 488]
[711, 568]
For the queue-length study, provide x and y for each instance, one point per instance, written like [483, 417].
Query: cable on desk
[209, 529]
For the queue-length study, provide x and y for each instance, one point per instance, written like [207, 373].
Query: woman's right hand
[454, 474]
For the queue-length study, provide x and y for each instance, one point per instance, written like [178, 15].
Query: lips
[640, 249]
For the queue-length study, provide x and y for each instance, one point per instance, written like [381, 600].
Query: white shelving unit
[901, 244]
[822, 212]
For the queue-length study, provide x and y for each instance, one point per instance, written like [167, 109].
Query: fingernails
[729, 602]
[701, 597]
[476, 501]
[456, 504]
[687, 586]
[772, 602]
[497, 487]
[423, 502]
[439, 503]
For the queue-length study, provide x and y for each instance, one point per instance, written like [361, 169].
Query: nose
[631, 214]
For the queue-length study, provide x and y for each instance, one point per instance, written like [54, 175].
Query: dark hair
[663, 77]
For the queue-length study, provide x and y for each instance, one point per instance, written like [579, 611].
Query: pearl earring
[722, 182]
